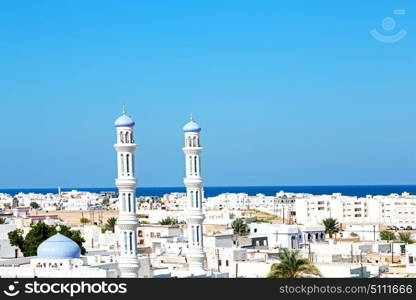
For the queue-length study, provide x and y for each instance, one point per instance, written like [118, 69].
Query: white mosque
[59, 256]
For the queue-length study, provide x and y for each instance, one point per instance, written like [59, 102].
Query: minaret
[126, 184]
[195, 193]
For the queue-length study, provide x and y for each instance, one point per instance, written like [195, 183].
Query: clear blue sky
[287, 92]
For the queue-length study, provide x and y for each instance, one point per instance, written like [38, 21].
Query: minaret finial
[191, 117]
[124, 109]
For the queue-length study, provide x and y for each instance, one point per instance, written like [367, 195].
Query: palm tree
[239, 227]
[331, 226]
[169, 221]
[405, 237]
[111, 224]
[387, 235]
[2, 221]
[292, 266]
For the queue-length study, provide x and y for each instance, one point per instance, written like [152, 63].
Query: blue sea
[350, 190]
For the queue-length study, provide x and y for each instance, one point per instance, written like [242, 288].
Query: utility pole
[217, 251]
[277, 238]
[392, 255]
[361, 264]
[352, 254]
[236, 270]
[283, 214]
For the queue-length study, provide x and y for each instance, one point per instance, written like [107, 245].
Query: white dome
[124, 121]
[59, 246]
[192, 127]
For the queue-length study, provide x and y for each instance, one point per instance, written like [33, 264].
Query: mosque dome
[59, 246]
[191, 126]
[124, 121]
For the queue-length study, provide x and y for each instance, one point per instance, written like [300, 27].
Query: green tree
[387, 235]
[169, 221]
[2, 221]
[38, 233]
[406, 237]
[353, 234]
[84, 221]
[34, 205]
[239, 227]
[111, 224]
[291, 265]
[106, 201]
[16, 238]
[331, 226]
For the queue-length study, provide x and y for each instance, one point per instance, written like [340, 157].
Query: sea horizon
[211, 191]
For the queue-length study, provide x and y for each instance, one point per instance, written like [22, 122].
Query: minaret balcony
[192, 150]
[193, 182]
[125, 147]
[126, 183]
[194, 217]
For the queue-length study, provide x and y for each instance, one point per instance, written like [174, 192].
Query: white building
[58, 257]
[150, 234]
[395, 210]
[7, 250]
[287, 236]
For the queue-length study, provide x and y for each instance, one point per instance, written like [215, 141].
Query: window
[226, 263]
[129, 202]
[131, 241]
[195, 165]
[125, 242]
[122, 163]
[128, 163]
[190, 165]
[123, 202]
[197, 234]
[193, 235]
